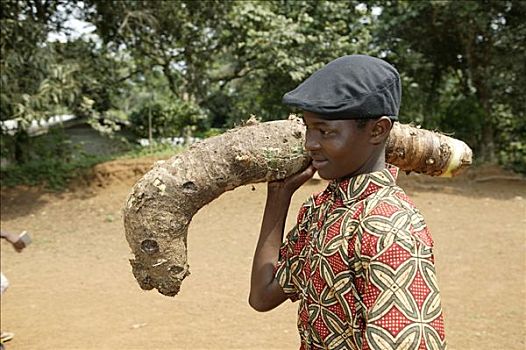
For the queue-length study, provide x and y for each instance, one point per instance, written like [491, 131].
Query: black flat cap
[350, 87]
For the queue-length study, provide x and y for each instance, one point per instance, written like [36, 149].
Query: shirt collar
[361, 186]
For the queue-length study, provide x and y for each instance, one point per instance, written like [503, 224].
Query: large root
[163, 202]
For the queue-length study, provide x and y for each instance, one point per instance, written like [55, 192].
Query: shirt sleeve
[289, 264]
[398, 286]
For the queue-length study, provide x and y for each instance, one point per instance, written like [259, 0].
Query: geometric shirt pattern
[360, 262]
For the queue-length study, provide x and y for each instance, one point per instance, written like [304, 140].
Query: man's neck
[376, 162]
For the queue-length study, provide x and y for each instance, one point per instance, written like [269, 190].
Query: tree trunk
[161, 205]
[478, 47]
[21, 141]
[487, 147]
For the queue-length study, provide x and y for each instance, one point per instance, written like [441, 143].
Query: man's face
[338, 148]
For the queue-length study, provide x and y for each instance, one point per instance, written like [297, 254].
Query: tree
[42, 78]
[180, 37]
[271, 46]
[32, 84]
[460, 60]
[466, 51]
[247, 52]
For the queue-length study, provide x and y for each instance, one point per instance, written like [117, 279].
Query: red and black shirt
[360, 262]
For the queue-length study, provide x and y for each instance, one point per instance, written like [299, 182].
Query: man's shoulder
[387, 202]
[315, 200]
[307, 208]
[394, 214]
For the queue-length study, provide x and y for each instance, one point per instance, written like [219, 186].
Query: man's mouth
[319, 163]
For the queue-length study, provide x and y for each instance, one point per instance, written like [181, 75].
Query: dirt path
[73, 287]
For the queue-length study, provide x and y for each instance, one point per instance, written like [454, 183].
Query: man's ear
[380, 129]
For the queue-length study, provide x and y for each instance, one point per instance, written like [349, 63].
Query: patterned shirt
[360, 262]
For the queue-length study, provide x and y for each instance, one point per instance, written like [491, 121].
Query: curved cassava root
[162, 203]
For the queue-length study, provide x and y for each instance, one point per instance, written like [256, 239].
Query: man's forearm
[11, 237]
[265, 293]
[272, 228]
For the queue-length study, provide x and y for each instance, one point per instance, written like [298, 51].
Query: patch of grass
[53, 174]
[156, 150]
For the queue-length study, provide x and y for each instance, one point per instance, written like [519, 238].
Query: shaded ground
[73, 287]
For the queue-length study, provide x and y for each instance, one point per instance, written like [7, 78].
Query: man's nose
[311, 142]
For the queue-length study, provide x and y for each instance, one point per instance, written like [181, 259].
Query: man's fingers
[300, 178]
[289, 185]
[307, 173]
[19, 245]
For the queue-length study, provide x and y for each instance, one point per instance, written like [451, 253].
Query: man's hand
[265, 291]
[288, 186]
[19, 245]
[16, 241]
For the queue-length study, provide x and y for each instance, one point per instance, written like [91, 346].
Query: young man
[359, 259]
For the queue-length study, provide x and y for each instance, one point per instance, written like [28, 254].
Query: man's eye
[326, 132]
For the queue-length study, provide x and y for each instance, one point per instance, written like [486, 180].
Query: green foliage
[157, 150]
[178, 37]
[196, 65]
[41, 78]
[168, 118]
[511, 139]
[33, 83]
[52, 173]
[52, 162]
[54, 166]
[464, 59]
[270, 47]
[210, 132]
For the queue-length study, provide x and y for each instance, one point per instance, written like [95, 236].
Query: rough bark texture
[162, 203]
[422, 151]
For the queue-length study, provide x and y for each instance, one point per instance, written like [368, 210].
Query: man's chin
[324, 175]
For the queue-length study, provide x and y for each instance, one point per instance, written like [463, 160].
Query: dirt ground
[73, 287]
